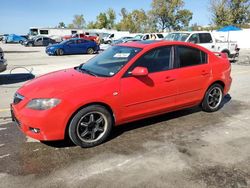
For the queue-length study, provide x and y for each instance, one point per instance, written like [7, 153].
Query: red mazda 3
[125, 83]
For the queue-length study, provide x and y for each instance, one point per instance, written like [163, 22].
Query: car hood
[58, 83]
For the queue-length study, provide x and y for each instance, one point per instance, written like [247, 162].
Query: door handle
[169, 79]
[204, 73]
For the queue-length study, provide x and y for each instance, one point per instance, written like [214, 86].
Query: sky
[17, 16]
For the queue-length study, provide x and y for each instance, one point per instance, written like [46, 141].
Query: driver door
[151, 94]
[38, 42]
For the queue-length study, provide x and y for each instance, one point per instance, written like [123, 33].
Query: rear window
[188, 56]
[44, 32]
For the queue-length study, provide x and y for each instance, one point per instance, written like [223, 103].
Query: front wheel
[59, 52]
[213, 98]
[90, 126]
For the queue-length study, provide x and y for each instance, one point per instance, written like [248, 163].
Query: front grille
[17, 98]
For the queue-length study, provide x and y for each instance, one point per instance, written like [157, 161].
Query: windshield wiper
[87, 71]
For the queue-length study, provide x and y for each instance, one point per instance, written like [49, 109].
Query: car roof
[159, 43]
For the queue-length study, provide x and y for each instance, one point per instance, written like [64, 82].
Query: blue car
[14, 39]
[73, 46]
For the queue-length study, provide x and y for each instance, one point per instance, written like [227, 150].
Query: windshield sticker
[122, 55]
[111, 73]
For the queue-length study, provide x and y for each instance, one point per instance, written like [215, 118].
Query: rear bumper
[228, 85]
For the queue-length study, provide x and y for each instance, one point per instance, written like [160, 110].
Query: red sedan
[125, 83]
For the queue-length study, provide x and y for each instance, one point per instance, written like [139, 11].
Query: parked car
[14, 39]
[3, 62]
[149, 36]
[119, 41]
[109, 37]
[125, 83]
[207, 40]
[39, 41]
[85, 36]
[73, 46]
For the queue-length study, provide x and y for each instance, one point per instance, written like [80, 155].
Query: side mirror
[139, 71]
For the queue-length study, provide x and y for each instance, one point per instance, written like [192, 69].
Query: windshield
[110, 62]
[117, 41]
[177, 36]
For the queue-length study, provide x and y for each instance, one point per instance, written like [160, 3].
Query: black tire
[30, 44]
[90, 51]
[59, 52]
[213, 98]
[90, 126]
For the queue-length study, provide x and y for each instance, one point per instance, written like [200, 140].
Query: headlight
[43, 104]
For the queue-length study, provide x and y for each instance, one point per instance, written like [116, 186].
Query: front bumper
[51, 123]
[50, 52]
[3, 65]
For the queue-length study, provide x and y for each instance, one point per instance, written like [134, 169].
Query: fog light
[34, 130]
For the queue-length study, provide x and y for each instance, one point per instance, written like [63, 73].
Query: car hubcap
[91, 127]
[214, 97]
[91, 51]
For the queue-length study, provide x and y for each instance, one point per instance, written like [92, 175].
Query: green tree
[220, 12]
[169, 14]
[79, 21]
[92, 25]
[230, 12]
[61, 25]
[136, 21]
[240, 11]
[71, 26]
[111, 16]
[102, 21]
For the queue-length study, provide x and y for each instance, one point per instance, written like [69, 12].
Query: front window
[33, 32]
[110, 62]
[177, 37]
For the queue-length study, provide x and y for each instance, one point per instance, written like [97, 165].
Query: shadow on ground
[117, 131]
[15, 78]
[20, 52]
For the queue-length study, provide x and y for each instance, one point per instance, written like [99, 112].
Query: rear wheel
[213, 98]
[90, 126]
[59, 52]
[90, 51]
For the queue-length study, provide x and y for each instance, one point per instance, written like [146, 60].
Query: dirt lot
[188, 148]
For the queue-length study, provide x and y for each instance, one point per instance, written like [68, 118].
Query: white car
[149, 36]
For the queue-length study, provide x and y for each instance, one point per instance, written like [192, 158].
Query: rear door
[71, 47]
[81, 46]
[193, 74]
